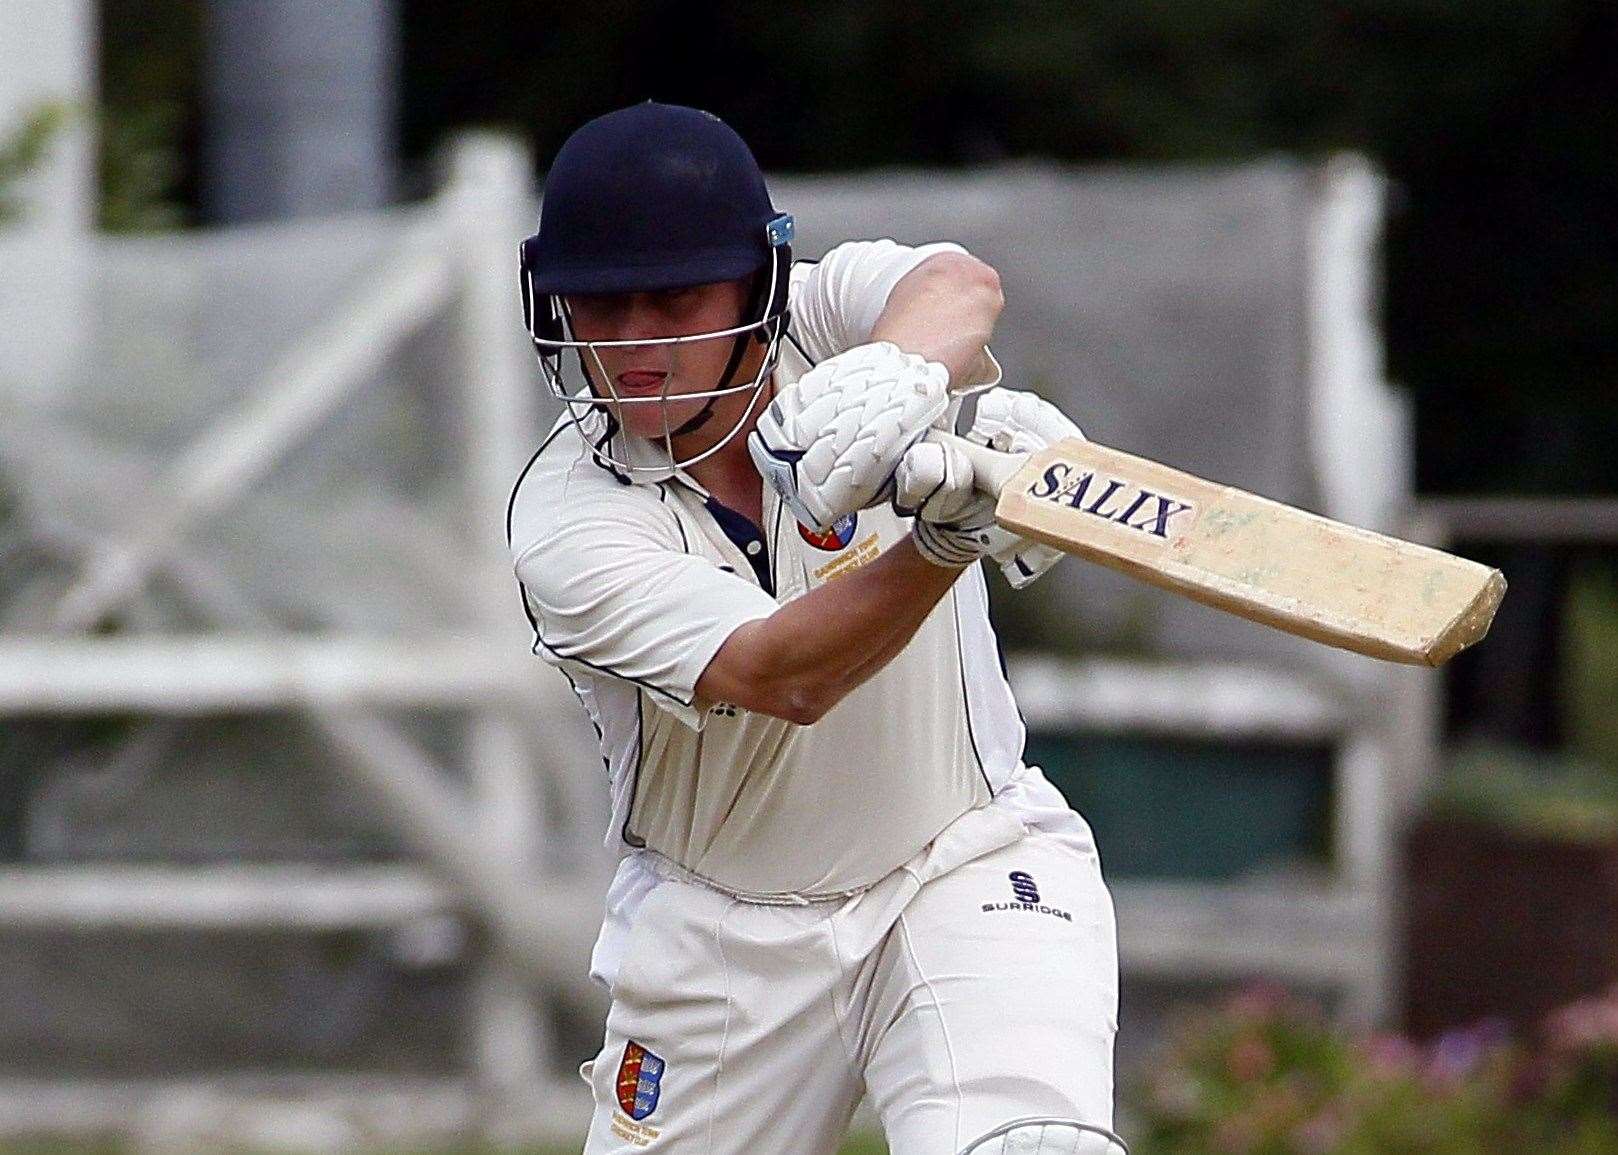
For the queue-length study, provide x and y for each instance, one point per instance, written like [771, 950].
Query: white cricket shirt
[632, 588]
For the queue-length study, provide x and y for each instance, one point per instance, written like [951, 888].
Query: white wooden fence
[476, 849]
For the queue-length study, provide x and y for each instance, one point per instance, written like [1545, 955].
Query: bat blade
[1260, 559]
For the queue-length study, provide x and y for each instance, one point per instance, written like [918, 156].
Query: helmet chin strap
[701, 417]
[697, 421]
[738, 349]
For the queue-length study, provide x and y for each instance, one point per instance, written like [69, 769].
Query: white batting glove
[829, 442]
[1016, 422]
[954, 522]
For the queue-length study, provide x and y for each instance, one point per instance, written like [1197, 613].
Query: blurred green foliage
[1532, 793]
[22, 148]
[150, 118]
[1591, 676]
[139, 167]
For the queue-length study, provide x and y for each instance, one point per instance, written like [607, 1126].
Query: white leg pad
[1047, 1137]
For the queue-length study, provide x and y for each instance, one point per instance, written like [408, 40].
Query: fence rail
[1536, 520]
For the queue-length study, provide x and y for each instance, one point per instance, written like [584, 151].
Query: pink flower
[1250, 1059]
[1391, 1056]
[1587, 1024]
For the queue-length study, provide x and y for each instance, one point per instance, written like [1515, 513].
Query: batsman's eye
[679, 298]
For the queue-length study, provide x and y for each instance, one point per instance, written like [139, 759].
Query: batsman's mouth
[641, 382]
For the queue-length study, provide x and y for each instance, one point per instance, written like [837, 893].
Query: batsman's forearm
[881, 657]
[792, 666]
[945, 310]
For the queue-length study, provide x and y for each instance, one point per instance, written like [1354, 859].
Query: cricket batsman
[838, 877]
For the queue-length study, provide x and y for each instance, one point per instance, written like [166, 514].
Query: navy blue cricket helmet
[655, 196]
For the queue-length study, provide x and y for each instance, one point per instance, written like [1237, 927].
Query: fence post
[487, 201]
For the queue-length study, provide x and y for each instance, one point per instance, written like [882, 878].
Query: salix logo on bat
[1109, 498]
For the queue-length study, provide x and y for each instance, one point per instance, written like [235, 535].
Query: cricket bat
[1236, 551]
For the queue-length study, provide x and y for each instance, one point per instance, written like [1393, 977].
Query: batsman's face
[652, 381]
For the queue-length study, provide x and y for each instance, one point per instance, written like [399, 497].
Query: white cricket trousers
[975, 985]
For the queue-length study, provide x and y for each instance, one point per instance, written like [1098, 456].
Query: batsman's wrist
[947, 549]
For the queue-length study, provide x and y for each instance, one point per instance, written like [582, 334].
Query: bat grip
[991, 469]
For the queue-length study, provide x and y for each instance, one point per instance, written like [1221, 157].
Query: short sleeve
[841, 295]
[612, 594]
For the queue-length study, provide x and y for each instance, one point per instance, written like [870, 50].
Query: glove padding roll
[830, 442]
[954, 522]
[1013, 421]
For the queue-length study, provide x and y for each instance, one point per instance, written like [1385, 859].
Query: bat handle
[991, 469]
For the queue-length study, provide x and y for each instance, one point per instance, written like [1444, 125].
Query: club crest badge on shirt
[835, 538]
[853, 541]
[640, 1076]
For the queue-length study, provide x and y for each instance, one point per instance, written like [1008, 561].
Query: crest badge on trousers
[639, 1076]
